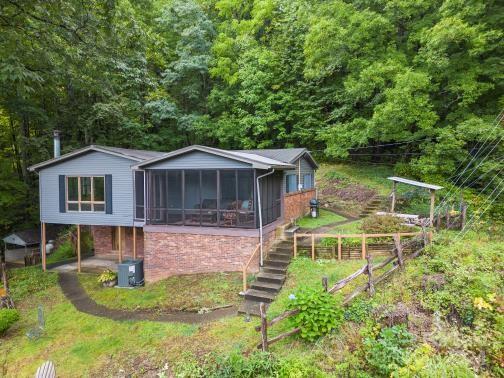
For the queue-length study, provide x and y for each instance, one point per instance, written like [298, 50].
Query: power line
[464, 231]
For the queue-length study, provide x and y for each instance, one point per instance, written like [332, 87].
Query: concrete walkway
[76, 294]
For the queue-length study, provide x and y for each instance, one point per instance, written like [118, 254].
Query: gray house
[196, 209]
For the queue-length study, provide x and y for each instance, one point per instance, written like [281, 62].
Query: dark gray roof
[138, 154]
[287, 155]
[256, 160]
[32, 236]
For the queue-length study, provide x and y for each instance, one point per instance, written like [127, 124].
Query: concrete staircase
[378, 203]
[270, 278]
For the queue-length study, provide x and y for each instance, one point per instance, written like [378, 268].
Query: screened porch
[211, 198]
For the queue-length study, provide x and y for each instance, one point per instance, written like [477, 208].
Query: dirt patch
[351, 192]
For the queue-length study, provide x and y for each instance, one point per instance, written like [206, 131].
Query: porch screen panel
[209, 198]
[139, 195]
[246, 198]
[158, 197]
[192, 198]
[174, 198]
[228, 205]
[270, 198]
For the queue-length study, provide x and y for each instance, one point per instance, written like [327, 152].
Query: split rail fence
[395, 261]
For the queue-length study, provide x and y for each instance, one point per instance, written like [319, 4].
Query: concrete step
[259, 296]
[279, 256]
[250, 307]
[274, 262]
[266, 286]
[270, 277]
[274, 270]
[284, 249]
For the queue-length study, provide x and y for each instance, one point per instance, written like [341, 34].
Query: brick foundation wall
[297, 204]
[102, 238]
[168, 254]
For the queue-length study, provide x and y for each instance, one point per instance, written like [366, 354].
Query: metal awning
[415, 183]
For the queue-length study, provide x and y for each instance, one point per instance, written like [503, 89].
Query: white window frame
[79, 202]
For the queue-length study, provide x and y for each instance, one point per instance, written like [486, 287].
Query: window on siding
[291, 183]
[85, 193]
[308, 181]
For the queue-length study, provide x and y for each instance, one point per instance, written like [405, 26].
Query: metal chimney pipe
[57, 143]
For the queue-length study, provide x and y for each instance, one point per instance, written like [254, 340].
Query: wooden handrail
[359, 235]
[246, 265]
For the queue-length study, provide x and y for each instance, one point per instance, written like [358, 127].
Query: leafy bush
[383, 224]
[320, 313]
[388, 351]
[424, 363]
[7, 318]
[107, 276]
[358, 311]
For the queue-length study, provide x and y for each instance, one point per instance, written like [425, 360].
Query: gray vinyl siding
[304, 167]
[92, 163]
[198, 160]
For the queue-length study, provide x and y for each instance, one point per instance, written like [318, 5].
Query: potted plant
[108, 278]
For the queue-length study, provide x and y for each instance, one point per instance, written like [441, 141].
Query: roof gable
[256, 161]
[133, 155]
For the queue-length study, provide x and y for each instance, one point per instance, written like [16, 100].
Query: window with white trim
[85, 193]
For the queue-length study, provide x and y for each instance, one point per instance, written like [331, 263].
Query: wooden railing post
[264, 327]
[363, 246]
[339, 247]
[295, 245]
[398, 247]
[463, 215]
[325, 283]
[313, 247]
[371, 289]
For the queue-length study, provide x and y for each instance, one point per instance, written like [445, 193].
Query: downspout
[260, 213]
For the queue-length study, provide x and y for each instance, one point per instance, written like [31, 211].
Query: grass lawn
[190, 292]
[326, 217]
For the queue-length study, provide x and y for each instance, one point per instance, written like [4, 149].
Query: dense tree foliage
[416, 83]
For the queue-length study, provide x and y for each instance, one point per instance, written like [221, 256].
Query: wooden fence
[397, 261]
[351, 251]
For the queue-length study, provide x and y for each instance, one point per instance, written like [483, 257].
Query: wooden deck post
[78, 248]
[295, 245]
[134, 243]
[432, 203]
[119, 231]
[339, 247]
[43, 246]
[264, 327]
[363, 246]
[392, 205]
[313, 247]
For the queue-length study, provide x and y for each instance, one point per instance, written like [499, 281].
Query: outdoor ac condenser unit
[130, 273]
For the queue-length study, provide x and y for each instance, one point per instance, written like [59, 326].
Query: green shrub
[107, 276]
[320, 312]
[358, 311]
[7, 318]
[63, 252]
[383, 224]
[424, 363]
[388, 351]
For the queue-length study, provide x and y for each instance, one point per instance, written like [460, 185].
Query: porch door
[115, 238]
